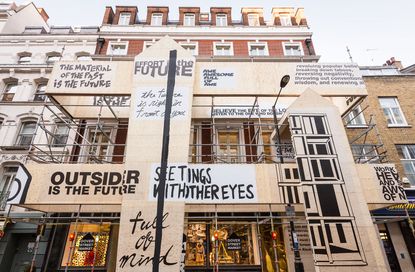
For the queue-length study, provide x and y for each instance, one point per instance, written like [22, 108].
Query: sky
[374, 30]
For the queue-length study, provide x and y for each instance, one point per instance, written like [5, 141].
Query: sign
[19, 186]
[234, 242]
[152, 102]
[138, 228]
[81, 184]
[201, 183]
[221, 78]
[388, 179]
[263, 78]
[87, 243]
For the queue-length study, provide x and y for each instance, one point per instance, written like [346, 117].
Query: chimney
[43, 13]
[393, 62]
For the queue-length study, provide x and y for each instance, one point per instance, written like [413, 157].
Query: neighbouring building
[380, 130]
[257, 170]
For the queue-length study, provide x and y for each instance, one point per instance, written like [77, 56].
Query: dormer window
[189, 19]
[285, 20]
[221, 20]
[253, 19]
[156, 19]
[124, 18]
[25, 58]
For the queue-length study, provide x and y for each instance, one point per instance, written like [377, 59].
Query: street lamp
[284, 81]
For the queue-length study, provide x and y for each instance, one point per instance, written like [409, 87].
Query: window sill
[357, 126]
[399, 126]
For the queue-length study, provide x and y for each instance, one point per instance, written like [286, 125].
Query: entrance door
[24, 253]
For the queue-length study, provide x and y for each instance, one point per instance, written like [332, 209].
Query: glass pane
[388, 115]
[268, 255]
[398, 115]
[196, 245]
[388, 102]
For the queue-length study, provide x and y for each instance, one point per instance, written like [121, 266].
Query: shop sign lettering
[234, 244]
[93, 183]
[203, 184]
[388, 179]
[72, 76]
[87, 243]
[160, 68]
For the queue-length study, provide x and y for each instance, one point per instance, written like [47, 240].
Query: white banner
[201, 183]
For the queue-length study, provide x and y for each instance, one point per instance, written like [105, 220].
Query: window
[84, 58]
[24, 59]
[221, 20]
[117, 48]
[147, 44]
[365, 153]
[285, 20]
[53, 58]
[293, 49]
[407, 155]
[8, 176]
[355, 117]
[99, 147]
[40, 92]
[223, 49]
[189, 19]
[9, 92]
[258, 49]
[124, 18]
[156, 19]
[90, 246]
[191, 47]
[26, 133]
[253, 19]
[60, 136]
[392, 111]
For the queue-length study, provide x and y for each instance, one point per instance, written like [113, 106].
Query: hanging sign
[87, 243]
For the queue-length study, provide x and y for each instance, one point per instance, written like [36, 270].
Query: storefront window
[196, 245]
[268, 255]
[235, 246]
[86, 245]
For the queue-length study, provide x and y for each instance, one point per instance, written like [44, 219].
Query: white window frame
[285, 20]
[195, 44]
[91, 146]
[110, 51]
[355, 118]
[252, 44]
[394, 121]
[124, 18]
[21, 135]
[25, 59]
[58, 135]
[7, 178]
[53, 58]
[300, 46]
[189, 19]
[218, 44]
[9, 91]
[253, 19]
[221, 19]
[40, 95]
[156, 21]
[407, 161]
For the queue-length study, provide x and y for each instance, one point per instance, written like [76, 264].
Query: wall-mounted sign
[217, 78]
[87, 243]
[152, 102]
[234, 242]
[201, 183]
[388, 179]
[19, 186]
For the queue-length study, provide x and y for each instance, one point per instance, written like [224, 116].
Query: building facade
[380, 129]
[235, 123]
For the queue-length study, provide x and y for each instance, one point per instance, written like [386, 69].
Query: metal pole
[171, 80]
[274, 243]
[74, 239]
[277, 129]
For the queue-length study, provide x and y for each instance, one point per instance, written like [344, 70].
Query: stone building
[253, 161]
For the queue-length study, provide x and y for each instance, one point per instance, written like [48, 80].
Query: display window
[196, 244]
[86, 245]
[269, 251]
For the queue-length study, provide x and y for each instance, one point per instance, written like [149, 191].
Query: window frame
[195, 44]
[22, 57]
[218, 44]
[188, 15]
[300, 46]
[57, 134]
[21, 135]
[40, 95]
[153, 21]
[407, 161]
[84, 57]
[110, 51]
[250, 18]
[50, 60]
[6, 95]
[124, 18]
[355, 120]
[252, 44]
[402, 115]
[286, 20]
[222, 16]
